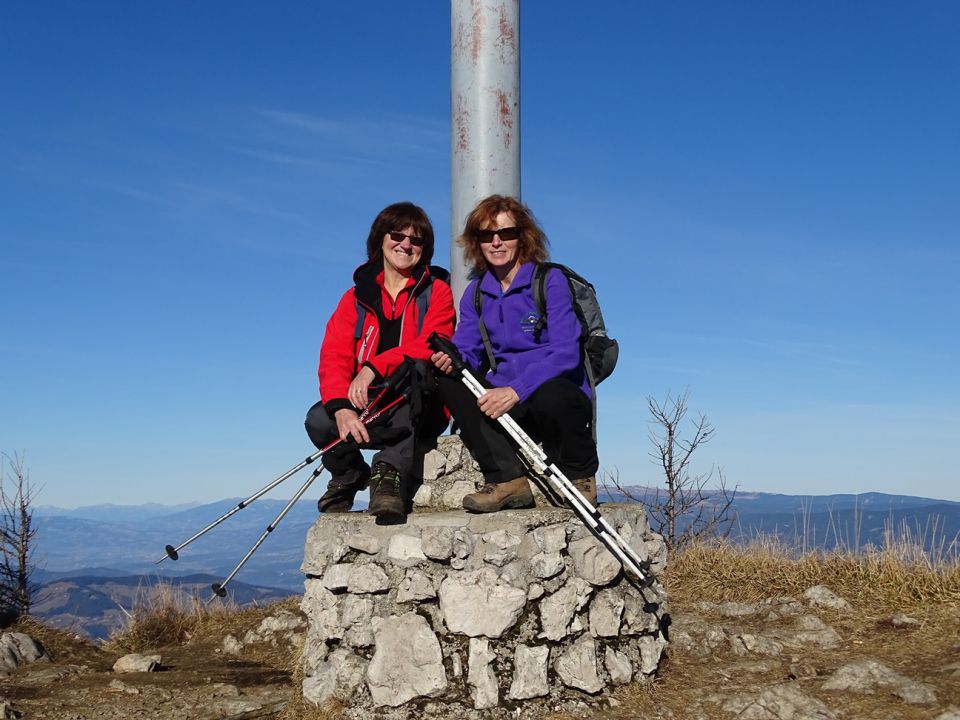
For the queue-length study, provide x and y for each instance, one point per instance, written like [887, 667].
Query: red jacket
[342, 353]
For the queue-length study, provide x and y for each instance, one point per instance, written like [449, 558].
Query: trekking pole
[391, 383]
[219, 588]
[548, 476]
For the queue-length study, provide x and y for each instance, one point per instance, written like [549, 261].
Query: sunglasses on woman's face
[506, 234]
[398, 237]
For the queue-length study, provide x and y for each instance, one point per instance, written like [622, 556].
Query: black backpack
[600, 351]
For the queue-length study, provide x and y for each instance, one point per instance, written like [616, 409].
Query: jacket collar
[366, 288]
[489, 284]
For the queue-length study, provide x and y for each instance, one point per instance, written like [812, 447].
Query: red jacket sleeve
[440, 318]
[338, 364]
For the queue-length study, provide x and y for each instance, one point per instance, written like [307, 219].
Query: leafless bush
[17, 533]
[689, 506]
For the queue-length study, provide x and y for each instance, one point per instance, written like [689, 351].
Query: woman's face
[501, 255]
[402, 250]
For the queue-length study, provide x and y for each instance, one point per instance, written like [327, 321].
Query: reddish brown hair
[533, 241]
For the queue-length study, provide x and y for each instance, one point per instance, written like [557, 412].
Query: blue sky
[765, 194]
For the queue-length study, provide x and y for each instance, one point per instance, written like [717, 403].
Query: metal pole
[484, 111]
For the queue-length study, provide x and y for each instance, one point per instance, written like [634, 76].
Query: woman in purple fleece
[542, 384]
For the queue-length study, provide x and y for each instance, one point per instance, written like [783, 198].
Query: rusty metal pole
[484, 111]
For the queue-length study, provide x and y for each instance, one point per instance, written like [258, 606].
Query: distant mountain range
[90, 560]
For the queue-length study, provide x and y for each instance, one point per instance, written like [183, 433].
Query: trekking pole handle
[439, 343]
[392, 382]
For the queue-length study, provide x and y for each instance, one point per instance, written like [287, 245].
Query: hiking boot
[341, 490]
[588, 488]
[499, 496]
[386, 502]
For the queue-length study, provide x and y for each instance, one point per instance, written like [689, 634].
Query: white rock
[593, 562]
[361, 542]
[437, 542]
[651, 648]
[618, 666]
[434, 463]
[232, 646]
[453, 498]
[423, 497]
[480, 675]
[479, 602]
[557, 610]
[865, 676]
[550, 538]
[529, 672]
[415, 585]
[824, 597]
[500, 547]
[337, 577]
[546, 565]
[577, 666]
[605, 612]
[338, 677]
[746, 644]
[407, 661]
[284, 621]
[405, 550]
[781, 702]
[134, 662]
[368, 578]
[903, 620]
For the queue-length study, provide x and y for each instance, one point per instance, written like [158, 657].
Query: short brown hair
[533, 241]
[397, 217]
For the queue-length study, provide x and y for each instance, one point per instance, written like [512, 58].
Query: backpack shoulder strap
[484, 335]
[539, 285]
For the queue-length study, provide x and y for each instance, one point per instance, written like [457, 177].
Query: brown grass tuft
[162, 615]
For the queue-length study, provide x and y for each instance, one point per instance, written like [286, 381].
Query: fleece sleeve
[562, 339]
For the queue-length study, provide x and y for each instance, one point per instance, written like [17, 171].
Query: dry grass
[893, 578]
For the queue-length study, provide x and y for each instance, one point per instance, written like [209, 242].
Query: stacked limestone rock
[451, 611]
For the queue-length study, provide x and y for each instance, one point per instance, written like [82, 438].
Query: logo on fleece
[528, 322]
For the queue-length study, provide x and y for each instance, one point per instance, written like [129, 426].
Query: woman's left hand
[497, 401]
[357, 392]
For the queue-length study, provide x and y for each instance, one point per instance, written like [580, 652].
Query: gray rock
[529, 672]
[423, 497]
[500, 547]
[338, 677]
[593, 562]
[557, 610]
[18, 648]
[577, 666]
[618, 666]
[416, 585]
[480, 675]
[362, 542]
[453, 498]
[809, 630]
[434, 463]
[368, 578]
[322, 607]
[134, 662]
[479, 602]
[550, 538]
[780, 702]
[283, 622]
[865, 676]
[546, 565]
[337, 577]
[405, 550]
[407, 661]
[232, 646]
[748, 644]
[950, 714]
[120, 686]
[605, 612]
[901, 620]
[651, 648]
[437, 542]
[823, 597]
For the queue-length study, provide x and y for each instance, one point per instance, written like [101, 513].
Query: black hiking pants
[558, 415]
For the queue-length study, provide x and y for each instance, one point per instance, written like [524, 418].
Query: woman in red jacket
[397, 300]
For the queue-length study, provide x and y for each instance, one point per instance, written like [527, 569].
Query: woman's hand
[357, 392]
[497, 401]
[442, 362]
[348, 424]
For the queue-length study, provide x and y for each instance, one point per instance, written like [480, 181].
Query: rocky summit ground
[819, 653]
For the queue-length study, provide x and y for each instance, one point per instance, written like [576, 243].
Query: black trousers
[558, 415]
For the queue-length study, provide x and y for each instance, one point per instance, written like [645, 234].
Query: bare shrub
[17, 533]
[686, 508]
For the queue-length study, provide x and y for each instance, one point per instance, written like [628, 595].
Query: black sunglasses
[509, 233]
[399, 237]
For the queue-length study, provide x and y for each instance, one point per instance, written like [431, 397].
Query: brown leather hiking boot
[386, 502]
[588, 488]
[499, 496]
[341, 490]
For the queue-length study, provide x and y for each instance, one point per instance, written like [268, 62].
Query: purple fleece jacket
[522, 363]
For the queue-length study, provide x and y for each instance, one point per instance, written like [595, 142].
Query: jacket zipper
[363, 346]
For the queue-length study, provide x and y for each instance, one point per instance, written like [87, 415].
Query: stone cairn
[452, 614]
